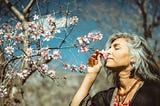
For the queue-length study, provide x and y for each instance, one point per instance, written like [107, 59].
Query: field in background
[39, 91]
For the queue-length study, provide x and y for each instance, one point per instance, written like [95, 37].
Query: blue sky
[106, 16]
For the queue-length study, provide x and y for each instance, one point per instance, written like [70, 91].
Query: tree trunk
[15, 94]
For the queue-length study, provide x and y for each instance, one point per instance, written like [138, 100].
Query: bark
[15, 85]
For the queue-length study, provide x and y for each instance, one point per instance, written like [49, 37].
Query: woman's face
[118, 57]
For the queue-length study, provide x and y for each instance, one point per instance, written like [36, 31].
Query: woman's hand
[94, 63]
[93, 68]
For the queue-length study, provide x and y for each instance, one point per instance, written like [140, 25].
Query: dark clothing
[147, 95]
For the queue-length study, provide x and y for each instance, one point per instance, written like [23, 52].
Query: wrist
[91, 75]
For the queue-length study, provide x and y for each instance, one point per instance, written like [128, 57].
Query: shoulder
[103, 97]
[151, 86]
[149, 92]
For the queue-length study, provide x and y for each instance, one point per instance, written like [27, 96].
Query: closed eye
[117, 48]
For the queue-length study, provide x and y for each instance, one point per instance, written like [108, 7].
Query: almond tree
[22, 50]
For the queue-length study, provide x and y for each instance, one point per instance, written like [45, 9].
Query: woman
[136, 75]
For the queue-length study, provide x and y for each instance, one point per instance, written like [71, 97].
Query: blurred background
[40, 91]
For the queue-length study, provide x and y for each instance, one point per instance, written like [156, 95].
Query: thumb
[99, 59]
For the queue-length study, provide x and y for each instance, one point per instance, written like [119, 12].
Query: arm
[94, 66]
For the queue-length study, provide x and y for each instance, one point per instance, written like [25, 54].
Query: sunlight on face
[118, 55]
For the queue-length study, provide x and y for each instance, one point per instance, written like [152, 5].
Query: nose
[109, 51]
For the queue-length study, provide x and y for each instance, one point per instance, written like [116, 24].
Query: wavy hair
[145, 66]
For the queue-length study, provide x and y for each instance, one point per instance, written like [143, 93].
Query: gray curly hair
[145, 66]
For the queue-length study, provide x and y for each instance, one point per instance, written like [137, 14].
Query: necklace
[122, 96]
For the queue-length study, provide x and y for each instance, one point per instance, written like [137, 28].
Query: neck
[128, 86]
[126, 83]
[125, 80]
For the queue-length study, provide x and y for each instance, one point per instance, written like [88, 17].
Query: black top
[147, 95]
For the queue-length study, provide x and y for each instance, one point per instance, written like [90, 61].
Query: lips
[109, 58]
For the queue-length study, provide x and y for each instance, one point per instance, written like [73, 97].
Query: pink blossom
[8, 36]
[45, 32]
[25, 73]
[104, 54]
[83, 49]
[20, 75]
[41, 29]
[1, 32]
[83, 40]
[66, 66]
[19, 26]
[74, 68]
[91, 36]
[48, 38]
[82, 67]
[35, 36]
[3, 91]
[51, 73]
[9, 50]
[95, 37]
[19, 38]
[1, 41]
[49, 17]
[53, 31]
[56, 54]
[29, 51]
[43, 68]
[35, 17]
[10, 74]
[99, 36]
[32, 27]
[74, 20]
[45, 54]
[50, 20]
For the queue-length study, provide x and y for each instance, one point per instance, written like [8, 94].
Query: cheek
[124, 60]
[119, 60]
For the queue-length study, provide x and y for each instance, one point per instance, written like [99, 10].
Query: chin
[111, 67]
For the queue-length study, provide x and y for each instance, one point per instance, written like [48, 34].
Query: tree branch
[14, 10]
[156, 18]
[27, 10]
[140, 4]
[154, 24]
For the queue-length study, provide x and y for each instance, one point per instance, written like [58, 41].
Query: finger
[94, 56]
[97, 52]
[90, 61]
[95, 62]
[99, 57]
